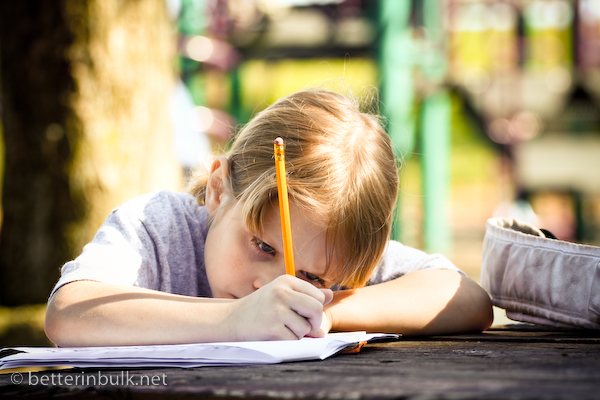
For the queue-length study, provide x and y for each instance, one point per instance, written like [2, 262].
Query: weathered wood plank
[468, 367]
[520, 332]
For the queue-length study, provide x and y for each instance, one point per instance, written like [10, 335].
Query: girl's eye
[313, 278]
[264, 247]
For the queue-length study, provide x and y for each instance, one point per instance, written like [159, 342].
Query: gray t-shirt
[156, 241]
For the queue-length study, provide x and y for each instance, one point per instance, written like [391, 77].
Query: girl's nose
[266, 276]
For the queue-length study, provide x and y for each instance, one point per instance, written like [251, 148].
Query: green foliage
[2, 153]
[473, 154]
[263, 82]
[23, 326]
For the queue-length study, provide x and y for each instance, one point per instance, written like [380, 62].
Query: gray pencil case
[540, 280]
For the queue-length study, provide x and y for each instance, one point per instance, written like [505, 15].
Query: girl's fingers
[306, 288]
[298, 326]
[328, 296]
[288, 308]
[308, 303]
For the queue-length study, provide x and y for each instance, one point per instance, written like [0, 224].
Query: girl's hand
[287, 308]
[326, 325]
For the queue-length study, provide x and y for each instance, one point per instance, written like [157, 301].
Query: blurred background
[493, 106]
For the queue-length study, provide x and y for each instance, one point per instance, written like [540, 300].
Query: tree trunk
[85, 89]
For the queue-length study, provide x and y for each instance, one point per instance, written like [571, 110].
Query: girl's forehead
[309, 237]
[304, 222]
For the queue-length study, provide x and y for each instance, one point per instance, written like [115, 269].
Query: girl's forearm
[426, 302]
[88, 313]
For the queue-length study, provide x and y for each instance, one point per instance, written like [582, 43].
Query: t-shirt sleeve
[398, 260]
[154, 241]
[120, 253]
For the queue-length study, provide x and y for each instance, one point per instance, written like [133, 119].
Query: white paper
[188, 355]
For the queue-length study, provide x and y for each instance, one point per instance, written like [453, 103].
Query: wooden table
[509, 362]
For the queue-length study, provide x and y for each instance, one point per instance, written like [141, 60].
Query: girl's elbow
[472, 307]
[58, 324]
[485, 317]
[53, 326]
[482, 314]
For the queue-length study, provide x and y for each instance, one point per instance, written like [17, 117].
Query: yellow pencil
[284, 207]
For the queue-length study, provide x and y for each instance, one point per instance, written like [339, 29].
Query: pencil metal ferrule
[279, 152]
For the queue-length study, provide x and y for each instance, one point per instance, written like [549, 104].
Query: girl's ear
[215, 187]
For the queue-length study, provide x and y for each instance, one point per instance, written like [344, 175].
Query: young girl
[208, 265]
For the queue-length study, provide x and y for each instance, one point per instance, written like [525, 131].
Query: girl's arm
[425, 302]
[89, 313]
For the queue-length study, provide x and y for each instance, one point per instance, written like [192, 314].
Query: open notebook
[187, 355]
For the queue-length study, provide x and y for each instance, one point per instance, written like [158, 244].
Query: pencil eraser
[279, 141]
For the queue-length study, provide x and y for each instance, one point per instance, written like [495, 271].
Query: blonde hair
[340, 167]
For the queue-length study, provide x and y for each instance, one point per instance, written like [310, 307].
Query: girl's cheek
[238, 260]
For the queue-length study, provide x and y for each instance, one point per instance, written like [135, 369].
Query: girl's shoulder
[160, 198]
[398, 260]
[161, 203]
[161, 210]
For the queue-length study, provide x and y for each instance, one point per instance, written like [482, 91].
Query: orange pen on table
[284, 207]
